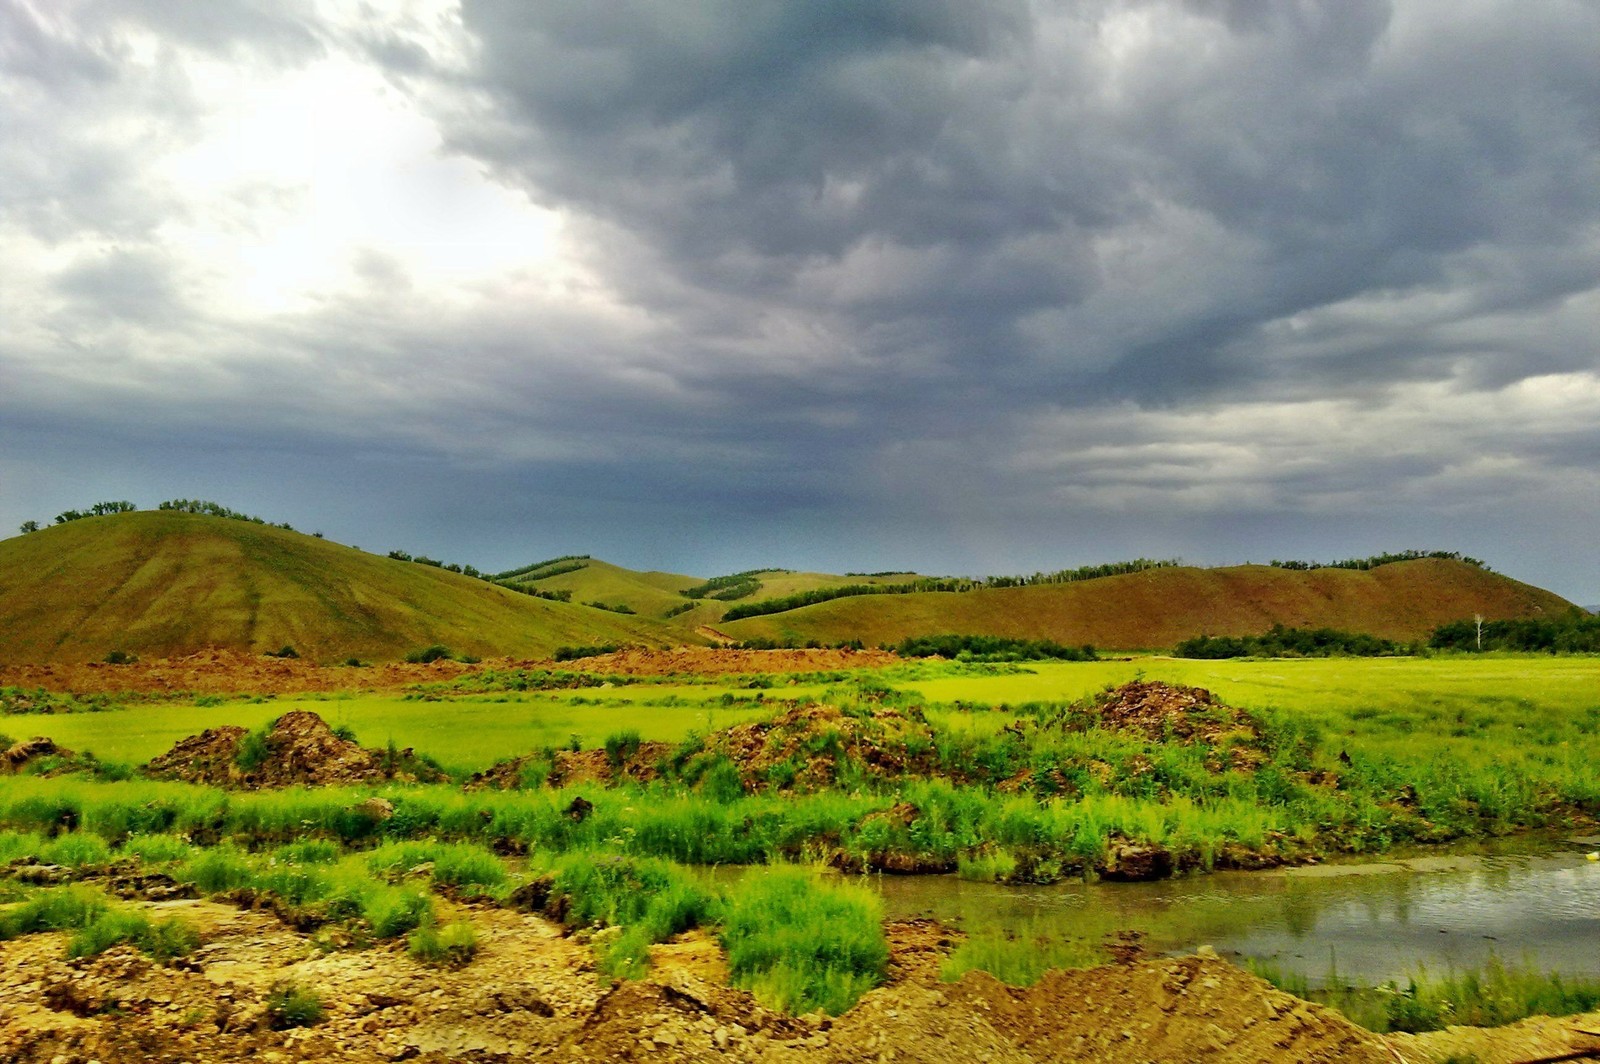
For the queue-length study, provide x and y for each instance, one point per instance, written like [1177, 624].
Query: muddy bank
[532, 993]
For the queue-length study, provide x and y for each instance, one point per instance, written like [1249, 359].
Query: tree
[29, 526]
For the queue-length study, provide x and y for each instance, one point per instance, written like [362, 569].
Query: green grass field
[1325, 686]
[469, 733]
[1389, 702]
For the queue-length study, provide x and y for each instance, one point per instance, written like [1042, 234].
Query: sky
[705, 285]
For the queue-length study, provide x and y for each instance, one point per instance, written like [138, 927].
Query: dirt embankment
[725, 661]
[532, 993]
[230, 672]
[299, 749]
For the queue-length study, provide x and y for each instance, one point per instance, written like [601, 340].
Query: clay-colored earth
[532, 993]
[230, 672]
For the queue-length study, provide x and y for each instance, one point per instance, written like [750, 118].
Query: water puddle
[1369, 922]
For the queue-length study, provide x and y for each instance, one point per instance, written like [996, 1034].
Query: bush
[573, 653]
[429, 654]
[121, 657]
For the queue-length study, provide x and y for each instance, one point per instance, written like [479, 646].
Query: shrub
[121, 657]
[429, 654]
[573, 653]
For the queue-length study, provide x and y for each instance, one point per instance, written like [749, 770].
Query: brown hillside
[162, 584]
[1159, 607]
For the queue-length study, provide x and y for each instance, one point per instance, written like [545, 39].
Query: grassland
[155, 583]
[468, 733]
[1000, 772]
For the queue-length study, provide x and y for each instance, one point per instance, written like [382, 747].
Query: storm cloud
[709, 284]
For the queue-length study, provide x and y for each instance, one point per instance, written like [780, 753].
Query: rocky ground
[532, 993]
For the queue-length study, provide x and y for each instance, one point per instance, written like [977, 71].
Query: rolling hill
[157, 583]
[1159, 607]
[658, 594]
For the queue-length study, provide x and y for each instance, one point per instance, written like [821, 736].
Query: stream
[1368, 923]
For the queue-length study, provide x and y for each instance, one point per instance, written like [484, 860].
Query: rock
[1134, 862]
[378, 809]
[19, 754]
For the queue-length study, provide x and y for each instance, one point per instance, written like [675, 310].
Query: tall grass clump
[634, 901]
[97, 923]
[1497, 995]
[801, 943]
[1020, 954]
[291, 1005]
[450, 946]
[589, 887]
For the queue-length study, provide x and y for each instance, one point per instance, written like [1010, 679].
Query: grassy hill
[159, 583]
[648, 594]
[656, 594]
[1157, 608]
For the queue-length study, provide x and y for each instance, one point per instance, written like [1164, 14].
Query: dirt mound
[725, 661]
[1160, 712]
[15, 757]
[563, 767]
[807, 747]
[299, 749]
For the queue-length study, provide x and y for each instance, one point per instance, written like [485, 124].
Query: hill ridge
[1158, 607]
[158, 583]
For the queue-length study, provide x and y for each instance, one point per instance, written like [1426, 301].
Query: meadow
[999, 773]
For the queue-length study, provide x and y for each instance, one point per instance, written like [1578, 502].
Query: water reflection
[1374, 922]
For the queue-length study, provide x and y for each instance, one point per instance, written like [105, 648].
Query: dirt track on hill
[532, 993]
[232, 672]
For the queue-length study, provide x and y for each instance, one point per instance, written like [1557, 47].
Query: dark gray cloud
[964, 286]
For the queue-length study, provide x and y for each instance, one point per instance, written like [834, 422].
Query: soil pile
[805, 747]
[638, 764]
[299, 749]
[532, 993]
[1172, 713]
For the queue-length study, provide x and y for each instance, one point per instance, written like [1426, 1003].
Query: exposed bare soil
[725, 661]
[532, 993]
[232, 671]
[299, 750]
